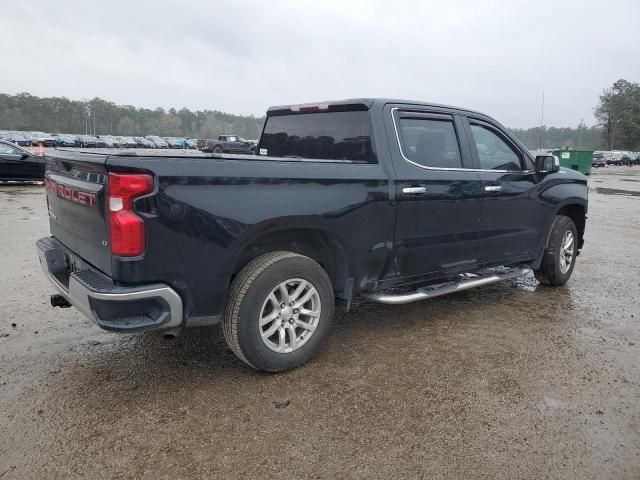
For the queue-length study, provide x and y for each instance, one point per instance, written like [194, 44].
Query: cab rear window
[323, 136]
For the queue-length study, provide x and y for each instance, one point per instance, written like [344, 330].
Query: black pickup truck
[344, 198]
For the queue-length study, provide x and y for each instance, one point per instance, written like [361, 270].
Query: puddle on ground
[616, 191]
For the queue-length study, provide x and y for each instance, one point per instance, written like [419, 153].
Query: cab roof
[356, 104]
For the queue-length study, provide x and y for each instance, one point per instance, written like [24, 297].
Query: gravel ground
[509, 381]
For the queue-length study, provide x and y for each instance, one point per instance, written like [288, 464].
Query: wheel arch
[322, 246]
[578, 213]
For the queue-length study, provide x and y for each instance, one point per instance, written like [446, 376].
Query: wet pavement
[513, 380]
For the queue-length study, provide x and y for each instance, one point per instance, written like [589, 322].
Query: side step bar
[468, 281]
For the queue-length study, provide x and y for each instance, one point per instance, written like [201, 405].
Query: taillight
[126, 229]
[309, 107]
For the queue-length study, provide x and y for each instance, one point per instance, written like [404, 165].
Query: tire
[553, 270]
[250, 300]
[218, 149]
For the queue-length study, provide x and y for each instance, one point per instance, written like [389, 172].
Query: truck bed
[206, 207]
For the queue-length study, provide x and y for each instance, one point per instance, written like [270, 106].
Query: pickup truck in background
[227, 144]
[345, 198]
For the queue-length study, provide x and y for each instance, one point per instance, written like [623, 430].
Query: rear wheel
[279, 311]
[560, 255]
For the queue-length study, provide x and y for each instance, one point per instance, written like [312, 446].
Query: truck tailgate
[76, 188]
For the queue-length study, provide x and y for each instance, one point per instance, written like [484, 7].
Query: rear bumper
[112, 307]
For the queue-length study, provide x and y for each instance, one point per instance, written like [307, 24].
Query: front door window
[493, 152]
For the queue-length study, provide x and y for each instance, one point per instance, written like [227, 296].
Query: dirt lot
[509, 381]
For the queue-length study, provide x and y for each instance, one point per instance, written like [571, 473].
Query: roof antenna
[541, 122]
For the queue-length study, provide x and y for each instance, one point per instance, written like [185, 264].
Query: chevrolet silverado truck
[356, 197]
[227, 144]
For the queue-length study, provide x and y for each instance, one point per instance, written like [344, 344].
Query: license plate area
[73, 263]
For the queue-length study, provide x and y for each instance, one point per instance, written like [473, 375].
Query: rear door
[438, 205]
[512, 216]
[76, 187]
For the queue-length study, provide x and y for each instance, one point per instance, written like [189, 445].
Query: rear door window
[324, 135]
[430, 142]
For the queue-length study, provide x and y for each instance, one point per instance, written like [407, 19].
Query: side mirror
[547, 164]
[25, 155]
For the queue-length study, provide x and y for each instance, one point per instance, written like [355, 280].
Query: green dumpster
[579, 160]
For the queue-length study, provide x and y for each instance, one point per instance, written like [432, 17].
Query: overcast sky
[242, 56]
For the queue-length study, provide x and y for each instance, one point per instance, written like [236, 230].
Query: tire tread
[548, 273]
[239, 288]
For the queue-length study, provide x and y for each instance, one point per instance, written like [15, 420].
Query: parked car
[350, 197]
[626, 160]
[17, 138]
[109, 141]
[102, 142]
[157, 141]
[88, 141]
[142, 142]
[42, 139]
[192, 143]
[227, 144]
[181, 142]
[598, 160]
[127, 142]
[18, 164]
[65, 141]
[173, 142]
[637, 160]
[614, 158]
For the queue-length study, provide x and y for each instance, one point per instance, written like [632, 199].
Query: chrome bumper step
[465, 282]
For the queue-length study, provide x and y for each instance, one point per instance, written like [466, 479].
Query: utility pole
[613, 134]
[580, 128]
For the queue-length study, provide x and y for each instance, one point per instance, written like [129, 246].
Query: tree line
[579, 138]
[25, 112]
[618, 114]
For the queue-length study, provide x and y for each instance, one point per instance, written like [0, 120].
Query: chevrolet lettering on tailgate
[68, 193]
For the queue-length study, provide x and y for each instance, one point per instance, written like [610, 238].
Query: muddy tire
[278, 312]
[559, 257]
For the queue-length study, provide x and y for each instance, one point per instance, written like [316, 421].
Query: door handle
[493, 188]
[414, 190]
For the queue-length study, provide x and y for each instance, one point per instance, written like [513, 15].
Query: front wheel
[560, 255]
[278, 312]
[217, 149]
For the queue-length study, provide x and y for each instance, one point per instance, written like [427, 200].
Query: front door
[438, 204]
[16, 164]
[512, 216]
